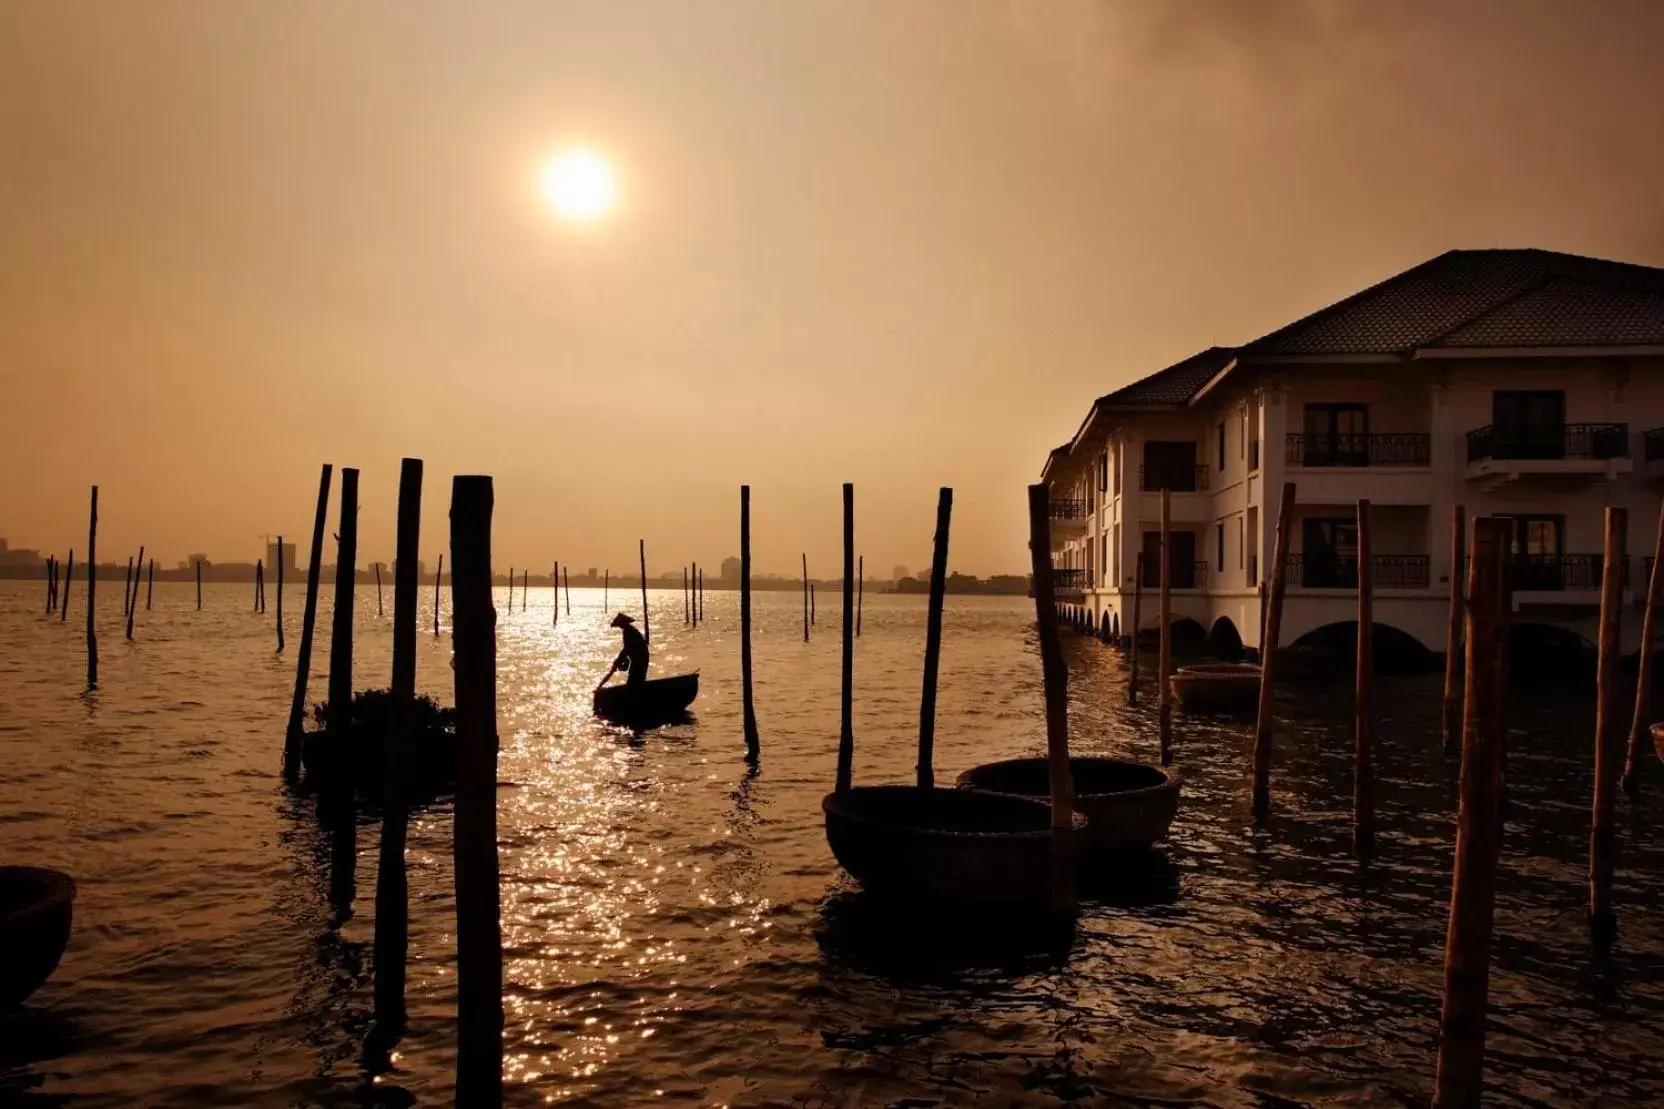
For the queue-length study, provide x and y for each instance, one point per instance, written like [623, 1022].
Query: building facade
[1514, 383]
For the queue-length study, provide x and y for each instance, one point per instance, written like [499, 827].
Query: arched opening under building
[1335, 646]
[1224, 640]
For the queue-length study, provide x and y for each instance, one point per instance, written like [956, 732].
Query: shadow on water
[29, 1037]
[939, 942]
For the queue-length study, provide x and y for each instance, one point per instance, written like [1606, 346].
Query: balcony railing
[1579, 441]
[1652, 445]
[1359, 450]
[1068, 509]
[1565, 573]
[1332, 571]
[1071, 581]
[1175, 479]
[1186, 575]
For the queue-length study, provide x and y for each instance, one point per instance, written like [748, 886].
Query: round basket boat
[1128, 805]
[37, 906]
[1658, 739]
[943, 843]
[1217, 687]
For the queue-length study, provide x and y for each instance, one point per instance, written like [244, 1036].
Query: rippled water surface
[677, 931]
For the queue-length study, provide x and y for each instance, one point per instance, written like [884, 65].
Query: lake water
[676, 930]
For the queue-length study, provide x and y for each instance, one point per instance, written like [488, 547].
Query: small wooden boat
[37, 906]
[359, 756]
[1128, 805]
[943, 843]
[654, 701]
[1232, 687]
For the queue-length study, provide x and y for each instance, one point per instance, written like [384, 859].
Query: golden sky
[896, 243]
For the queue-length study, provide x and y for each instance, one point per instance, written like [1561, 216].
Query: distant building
[592, 574]
[284, 557]
[421, 569]
[898, 572]
[731, 570]
[22, 556]
[191, 561]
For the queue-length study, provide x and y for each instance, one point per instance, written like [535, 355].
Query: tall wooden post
[1164, 686]
[392, 891]
[1137, 622]
[149, 584]
[479, 963]
[69, 576]
[1467, 945]
[933, 640]
[860, 589]
[438, 576]
[51, 579]
[1055, 675]
[693, 592]
[805, 596]
[127, 585]
[554, 596]
[525, 589]
[279, 620]
[1363, 719]
[1603, 842]
[566, 586]
[133, 600]
[1638, 727]
[92, 592]
[750, 712]
[606, 589]
[511, 589]
[340, 639]
[646, 617]
[258, 574]
[379, 610]
[846, 698]
[198, 585]
[687, 604]
[303, 662]
[1453, 635]
[1268, 654]
[701, 596]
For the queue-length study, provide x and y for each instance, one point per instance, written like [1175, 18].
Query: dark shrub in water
[432, 745]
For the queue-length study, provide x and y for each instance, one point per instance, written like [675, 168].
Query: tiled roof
[1456, 292]
[1176, 384]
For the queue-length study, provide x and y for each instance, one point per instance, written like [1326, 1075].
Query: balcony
[1068, 585]
[1500, 453]
[1331, 571]
[1069, 517]
[1174, 479]
[1652, 452]
[1186, 575]
[1359, 450]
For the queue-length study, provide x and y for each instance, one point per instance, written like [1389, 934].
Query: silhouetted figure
[633, 658]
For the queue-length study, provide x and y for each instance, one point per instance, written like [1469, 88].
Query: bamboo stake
[933, 640]
[525, 589]
[1137, 622]
[1453, 635]
[846, 730]
[687, 605]
[127, 585]
[1643, 688]
[479, 964]
[150, 585]
[279, 620]
[554, 595]
[133, 601]
[1164, 686]
[259, 585]
[693, 592]
[1603, 923]
[606, 589]
[1363, 722]
[1055, 675]
[92, 592]
[379, 611]
[1467, 952]
[566, 584]
[646, 619]
[701, 596]
[752, 747]
[813, 619]
[392, 925]
[805, 596]
[511, 589]
[303, 662]
[1268, 654]
[199, 585]
[69, 576]
[438, 576]
[340, 640]
[51, 578]
[860, 589]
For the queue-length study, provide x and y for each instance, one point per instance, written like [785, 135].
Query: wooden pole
[693, 592]
[860, 589]
[525, 589]
[1603, 844]
[259, 585]
[1363, 720]
[1467, 945]
[1055, 675]
[701, 596]
[479, 964]
[566, 584]
[51, 578]
[554, 595]
[1137, 622]
[133, 601]
[69, 576]
[127, 585]
[1453, 635]
[303, 662]
[846, 699]
[933, 640]
[1268, 654]
[438, 576]
[279, 620]
[606, 589]
[646, 619]
[340, 640]
[511, 589]
[199, 585]
[1164, 687]
[805, 596]
[1638, 727]
[392, 927]
[379, 610]
[687, 604]
[813, 619]
[92, 592]
[752, 747]
[149, 584]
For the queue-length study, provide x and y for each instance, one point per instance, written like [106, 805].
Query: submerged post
[303, 663]
[340, 640]
[1467, 945]
[69, 576]
[701, 596]
[127, 585]
[1453, 635]
[149, 584]
[1055, 675]
[554, 595]
[1268, 654]
[805, 596]
[438, 576]
[199, 585]
[860, 589]
[92, 592]
[279, 620]
[1137, 621]
[479, 963]
[51, 578]
[259, 573]
[525, 589]
[646, 620]
[379, 610]
[1603, 843]
[133, 601]
[933, 640]
[392, 891]
[846, 698]
[566, 585]
[1643, 688]
[1164, 687]
[750, 711]
[511, 589]
[606, 589]
[1363, 722]
[812, 617]
[687, 605]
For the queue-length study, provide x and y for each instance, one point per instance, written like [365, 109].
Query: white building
[1517, 383]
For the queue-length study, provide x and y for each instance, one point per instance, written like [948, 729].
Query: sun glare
[579, 185]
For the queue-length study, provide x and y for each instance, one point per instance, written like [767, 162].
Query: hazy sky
[901, 243]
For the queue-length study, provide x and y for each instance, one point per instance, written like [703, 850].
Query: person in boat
[633, 658]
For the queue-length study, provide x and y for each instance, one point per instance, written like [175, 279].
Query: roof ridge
[1346, 302]
[1489, 309]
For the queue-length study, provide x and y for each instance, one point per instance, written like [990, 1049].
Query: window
[1242, 446]
[1219, 542]
[1171, 466]
[1181, 559]
[1103, 472]
[1241, 542]
[1529, 423]
[1220, 430]
[1117, 549]
[1329, 559]
[1336, 435]
[1115, 472]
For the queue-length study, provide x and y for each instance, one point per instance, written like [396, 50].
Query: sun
[579, 185]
